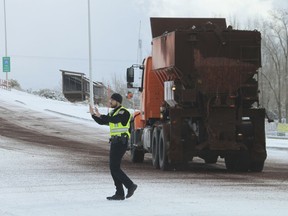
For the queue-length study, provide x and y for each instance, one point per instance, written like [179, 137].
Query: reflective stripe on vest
[116, 129]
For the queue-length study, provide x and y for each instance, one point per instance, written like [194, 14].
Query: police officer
[119, 121]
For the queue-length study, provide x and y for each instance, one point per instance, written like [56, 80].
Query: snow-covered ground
[34, 182]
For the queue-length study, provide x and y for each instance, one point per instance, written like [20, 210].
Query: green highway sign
[6, 64]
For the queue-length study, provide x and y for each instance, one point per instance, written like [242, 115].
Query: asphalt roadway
[88, 148]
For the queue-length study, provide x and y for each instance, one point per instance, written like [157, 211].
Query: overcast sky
[45, 36]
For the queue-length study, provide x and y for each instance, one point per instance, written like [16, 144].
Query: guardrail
[276, 129]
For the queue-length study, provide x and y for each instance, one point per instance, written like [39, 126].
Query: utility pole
[90, 59]
[5, 32]
[139, 50]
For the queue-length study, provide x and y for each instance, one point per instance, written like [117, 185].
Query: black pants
[117, 150]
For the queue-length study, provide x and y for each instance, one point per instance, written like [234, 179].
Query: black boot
[116, 197]
[131, 190]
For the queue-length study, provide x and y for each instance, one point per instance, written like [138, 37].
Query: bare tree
[281, 18]
[275, 56]
[119, 85]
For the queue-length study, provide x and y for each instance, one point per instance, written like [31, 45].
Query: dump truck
[199, 96]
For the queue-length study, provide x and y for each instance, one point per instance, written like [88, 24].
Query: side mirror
[130, 75]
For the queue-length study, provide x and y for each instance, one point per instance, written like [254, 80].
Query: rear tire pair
[159, 149]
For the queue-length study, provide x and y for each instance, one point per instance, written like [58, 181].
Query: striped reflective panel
[118, 130]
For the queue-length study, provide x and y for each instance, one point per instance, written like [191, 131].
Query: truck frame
[199, 96]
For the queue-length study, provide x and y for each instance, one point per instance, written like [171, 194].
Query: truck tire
[239, 161]
[256, 166]
[211, 159]
[248, 130]
[163, 159]
[155, 148]
[137, 155]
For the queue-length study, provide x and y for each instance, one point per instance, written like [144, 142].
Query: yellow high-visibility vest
[116, 129]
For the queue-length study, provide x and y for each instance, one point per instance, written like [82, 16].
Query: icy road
[54, 161]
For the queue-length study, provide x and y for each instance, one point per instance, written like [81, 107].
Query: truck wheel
[211, 159]
[155, 149]
[238, 162]
[253, 132]
[163, 159]
[230, 163]
[137, 156]
[256, 166]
